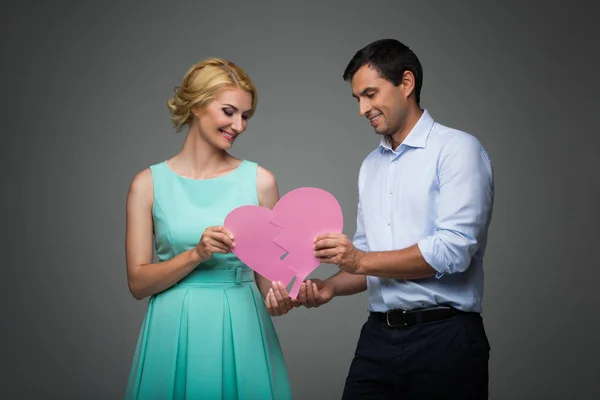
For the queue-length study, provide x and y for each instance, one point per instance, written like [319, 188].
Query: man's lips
[374, 119]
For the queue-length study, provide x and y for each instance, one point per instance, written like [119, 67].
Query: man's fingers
[302, 294]
[311, 295]
[328, 235]
[305, 292]
[316, 293]
[327, 253]
[326, 244]
[320, 237]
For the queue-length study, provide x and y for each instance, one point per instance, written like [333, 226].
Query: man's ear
[408, 83]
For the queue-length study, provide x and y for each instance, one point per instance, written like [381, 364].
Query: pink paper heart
[263, 236]
[254, 246]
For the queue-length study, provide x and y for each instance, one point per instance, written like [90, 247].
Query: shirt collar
[417, 137]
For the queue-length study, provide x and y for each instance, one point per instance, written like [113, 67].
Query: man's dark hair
[390, 58]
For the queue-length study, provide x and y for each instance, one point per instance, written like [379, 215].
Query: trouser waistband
[403, 318]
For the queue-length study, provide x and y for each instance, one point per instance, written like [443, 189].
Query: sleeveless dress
[209, 336]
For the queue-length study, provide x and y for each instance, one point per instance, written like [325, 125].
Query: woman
[207, 333]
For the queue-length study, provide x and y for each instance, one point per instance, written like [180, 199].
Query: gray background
[84, 90]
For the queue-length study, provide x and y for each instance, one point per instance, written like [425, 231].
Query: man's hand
[315, 292]
[338, 249]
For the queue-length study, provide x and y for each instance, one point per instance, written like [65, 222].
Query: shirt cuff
[427, 251]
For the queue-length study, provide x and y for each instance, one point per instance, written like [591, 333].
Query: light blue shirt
[435, 190]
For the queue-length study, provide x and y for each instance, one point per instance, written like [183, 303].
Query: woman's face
[224, 118]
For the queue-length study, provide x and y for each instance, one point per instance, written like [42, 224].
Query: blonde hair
[202, 83]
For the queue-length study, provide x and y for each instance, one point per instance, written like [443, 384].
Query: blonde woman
[207, 333]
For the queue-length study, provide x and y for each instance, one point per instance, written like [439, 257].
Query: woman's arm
[144, 277]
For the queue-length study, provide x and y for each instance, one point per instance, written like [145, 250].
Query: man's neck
[412, 118]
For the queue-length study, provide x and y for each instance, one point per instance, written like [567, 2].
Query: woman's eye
[228, 112]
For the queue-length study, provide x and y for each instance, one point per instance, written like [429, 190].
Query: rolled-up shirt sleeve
[464, 207]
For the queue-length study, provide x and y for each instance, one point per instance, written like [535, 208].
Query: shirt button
[391, 191]
[389, 223]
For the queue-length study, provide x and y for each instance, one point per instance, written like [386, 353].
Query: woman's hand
[215, 239]
[278, 300]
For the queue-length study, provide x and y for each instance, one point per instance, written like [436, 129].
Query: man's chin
[382, 132]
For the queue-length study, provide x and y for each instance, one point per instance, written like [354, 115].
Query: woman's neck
[198, 159]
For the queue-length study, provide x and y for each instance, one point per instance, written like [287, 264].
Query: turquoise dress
[209, 336]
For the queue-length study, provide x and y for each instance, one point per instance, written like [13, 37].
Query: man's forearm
[345, 284]
[398, 264]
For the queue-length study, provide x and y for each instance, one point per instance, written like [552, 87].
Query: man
[425, 204]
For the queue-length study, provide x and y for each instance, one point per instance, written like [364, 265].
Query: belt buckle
[404, 322]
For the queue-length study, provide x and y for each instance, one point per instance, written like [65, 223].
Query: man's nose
[364, 107]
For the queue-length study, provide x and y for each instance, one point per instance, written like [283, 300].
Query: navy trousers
[446, 359]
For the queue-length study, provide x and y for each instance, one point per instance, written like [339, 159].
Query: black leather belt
[402, 318]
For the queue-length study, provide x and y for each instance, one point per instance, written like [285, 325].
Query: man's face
[382, 103]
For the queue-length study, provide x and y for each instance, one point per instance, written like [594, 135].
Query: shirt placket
[390, 183]
[389, 194]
